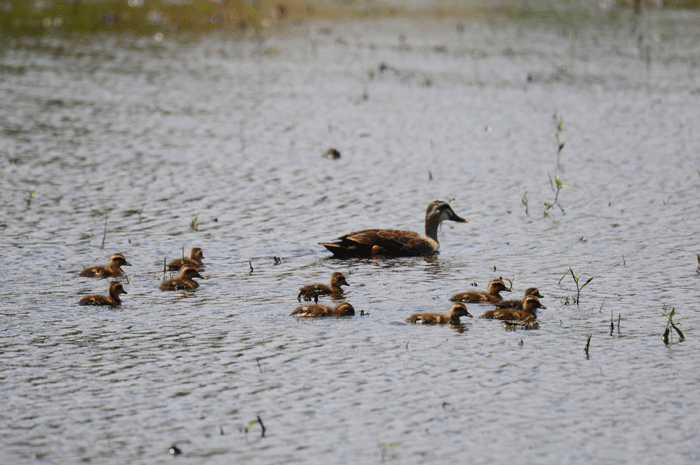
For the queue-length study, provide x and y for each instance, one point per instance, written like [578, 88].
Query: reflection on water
[121, 140]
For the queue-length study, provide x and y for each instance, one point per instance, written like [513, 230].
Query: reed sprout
[31, 196]
[577, 279]
[588, 344]
[669, 325]
[194, 223]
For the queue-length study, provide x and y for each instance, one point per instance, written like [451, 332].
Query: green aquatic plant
[257, 421]
[557, 186]
[194, 223]
[576, 278]
[510, 280]
[671, 324]
[31, 196]
[384, 448]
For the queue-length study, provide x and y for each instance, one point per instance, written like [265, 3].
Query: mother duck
[393, 242]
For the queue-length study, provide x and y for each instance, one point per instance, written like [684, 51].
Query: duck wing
[370, 242]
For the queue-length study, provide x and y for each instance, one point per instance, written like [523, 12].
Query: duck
[184, 282]
[315, 310]
[113, 300]
[195, 260]
[519, 303]
[113, 270]
[456, 311]
[496, 286]
[395, 243]
[312, 291]
[526, 314]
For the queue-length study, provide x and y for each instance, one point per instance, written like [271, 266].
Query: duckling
[518, 303]
[496, 286]
[314, 310]
[526, 314]
[312, 291]
[395, 243]
[115, 288]
[116, 261]
[456, 311]
[195, 260]
[184, 282]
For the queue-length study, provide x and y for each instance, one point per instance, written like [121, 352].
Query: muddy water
[142, 135]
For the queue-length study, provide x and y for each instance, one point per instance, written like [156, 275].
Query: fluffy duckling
[456, 311]
[395, 243]
[496, 286]
[184, 282]
[526, 314]
[195, 260]
[116, 261]
[113, 300]
[314, 310]
[312, 291]
[533, 291]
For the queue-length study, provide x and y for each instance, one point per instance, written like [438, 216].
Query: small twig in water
[524, 201]
[262, 435]
[251, 267]
[618, 323]
[588, 344]
[612, 323]
[104, 235]
[600, 310]
[409, 340]
[259, 367]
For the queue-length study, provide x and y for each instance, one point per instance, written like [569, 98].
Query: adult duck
[526, 314]
[315, 310]
[113, 270]
[115, 288]
[313, 291]
[456, 311]
[493, 295]
[532, 291]
[393, 242]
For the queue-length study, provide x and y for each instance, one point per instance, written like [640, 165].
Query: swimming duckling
[518, 303]
[116, 261]
[526, 314]
[456, 311]
[395, 243]
[312, 291]
[195, 260]
[184, 282]
[115, 288]
[314, 310]
[496, 286]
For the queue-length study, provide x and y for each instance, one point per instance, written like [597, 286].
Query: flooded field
[151, 145]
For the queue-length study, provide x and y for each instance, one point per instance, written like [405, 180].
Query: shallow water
[146, 133]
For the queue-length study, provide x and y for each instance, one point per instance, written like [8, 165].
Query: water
[147, 133]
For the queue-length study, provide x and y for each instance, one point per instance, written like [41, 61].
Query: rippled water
[146, 133]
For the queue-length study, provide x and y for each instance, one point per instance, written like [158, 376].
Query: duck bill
[126, 264]
[458, 219]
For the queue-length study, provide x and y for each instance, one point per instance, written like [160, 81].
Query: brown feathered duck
[315, 310]
[496, 286]
[313, 291]
[184, 282]
[116, 261]
[113, 300]
[395, 243]
[526, 314]
[195, 260]
[456, 311]
[533, 291]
